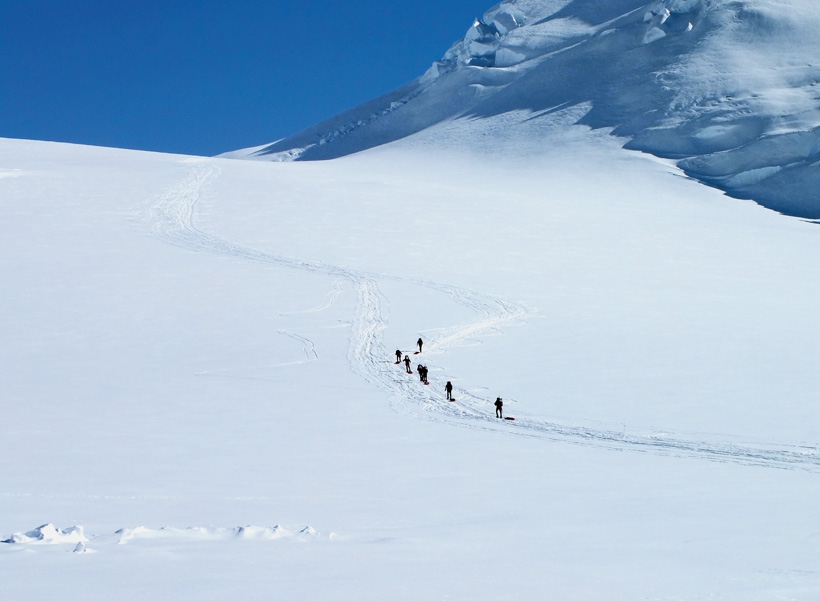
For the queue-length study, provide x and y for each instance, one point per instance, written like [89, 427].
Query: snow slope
[726, 88]
[200, 400]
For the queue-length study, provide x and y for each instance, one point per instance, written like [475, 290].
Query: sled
[512, 419]
[452, 400]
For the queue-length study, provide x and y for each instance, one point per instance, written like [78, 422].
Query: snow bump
[75, 535]
[48, 534]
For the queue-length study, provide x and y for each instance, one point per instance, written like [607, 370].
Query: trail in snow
[172, 220]
[308, 348]
[338, 288]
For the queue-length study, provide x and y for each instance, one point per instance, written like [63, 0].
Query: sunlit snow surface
[191, 345]
[727, 89]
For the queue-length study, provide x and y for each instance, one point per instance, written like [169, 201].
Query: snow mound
[49, 534]
[81, 548]
[205, 534]
[261, 533]
[728, 89]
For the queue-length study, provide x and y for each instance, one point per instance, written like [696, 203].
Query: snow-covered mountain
[729, 89]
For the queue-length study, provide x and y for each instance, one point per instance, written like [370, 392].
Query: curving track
[172, 220]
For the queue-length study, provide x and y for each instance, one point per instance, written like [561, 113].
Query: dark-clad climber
[498, 406]
[420, 369]
[407, 364]
[424, 374]
[449, 389]
[419, 342]
[398, 357]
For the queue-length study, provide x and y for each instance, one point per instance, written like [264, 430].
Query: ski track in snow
[172, 220]
[309, 347]
[338, 288]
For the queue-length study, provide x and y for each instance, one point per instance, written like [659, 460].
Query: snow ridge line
[172, 220]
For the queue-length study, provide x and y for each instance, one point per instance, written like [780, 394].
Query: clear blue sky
[207, 76]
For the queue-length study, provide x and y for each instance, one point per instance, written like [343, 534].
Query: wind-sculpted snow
[728, 89]
[173, 220]
[48, 534]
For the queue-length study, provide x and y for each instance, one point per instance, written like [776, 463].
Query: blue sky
[207, 76]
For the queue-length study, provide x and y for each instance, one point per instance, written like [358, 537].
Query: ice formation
[75, 535]
[49, 534]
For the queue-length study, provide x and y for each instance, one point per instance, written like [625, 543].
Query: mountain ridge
[727, 89]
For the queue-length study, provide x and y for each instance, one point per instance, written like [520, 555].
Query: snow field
[190, 344]
[203, 343]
